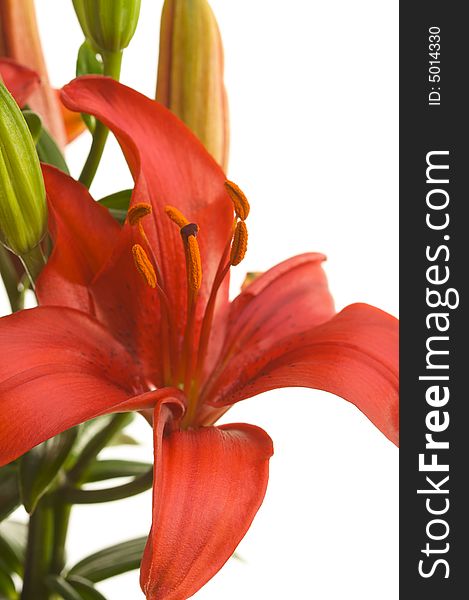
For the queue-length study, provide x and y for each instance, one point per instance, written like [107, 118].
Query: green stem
[112, 67]
[62, 512]
[134, 487]
[38, 553]
[94, 447]
[33, 264]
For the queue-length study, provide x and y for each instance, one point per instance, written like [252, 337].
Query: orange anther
[137, 212]
[240, 243]
[176, 216]
[144, 266]
[240, 202]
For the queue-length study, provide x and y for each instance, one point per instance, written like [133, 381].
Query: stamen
[240, 243]
[194, 264]
[144, 266]
[176, 216]
[240, 202]
[137, 212]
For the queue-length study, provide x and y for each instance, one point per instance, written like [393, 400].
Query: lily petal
[19, 80]
[353, 355]
[59, 368]
[290, 298]
[129, 308]
[84, 235]
[88, 241]
[208, 485]
[169, 166]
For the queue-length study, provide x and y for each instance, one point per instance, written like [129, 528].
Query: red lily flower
[166, 339]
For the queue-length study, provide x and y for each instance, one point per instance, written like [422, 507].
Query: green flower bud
[190, 73]
[108, 24]
[23, 208]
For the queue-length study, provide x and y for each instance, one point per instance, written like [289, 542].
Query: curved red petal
[290, 298]
[19, 80]
[354, 355]
[169, 166]
[59, 368]
[209, 484]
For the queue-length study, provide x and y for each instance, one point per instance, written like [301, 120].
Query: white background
[313, 95]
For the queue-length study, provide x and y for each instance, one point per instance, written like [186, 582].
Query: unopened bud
[108, 25]
[23, 208]
[190, 73]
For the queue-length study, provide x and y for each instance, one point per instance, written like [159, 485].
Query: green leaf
[102, 470]
[88, 63]
[10, 492]
[34, 123]
[118, 204]
[93, 429]
[57, 584]
[40, 466]
[85, 588]
[49, 152]
[12, 545]
[88, 431]
[140, 484]
[112, 561]
[7, 586]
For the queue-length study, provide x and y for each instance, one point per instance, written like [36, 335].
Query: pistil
[188, 233]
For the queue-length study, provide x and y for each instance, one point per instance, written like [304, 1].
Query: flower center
[186, 370]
